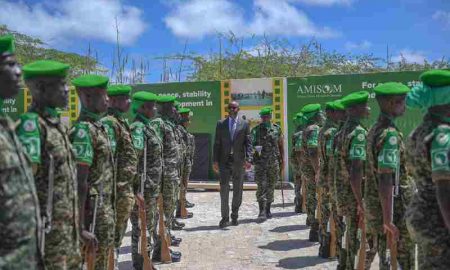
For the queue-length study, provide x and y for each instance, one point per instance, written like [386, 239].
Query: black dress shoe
[234, 222]
[179, 223]
[176, 227]
[189, 204]
[175, 255]
[224, 223]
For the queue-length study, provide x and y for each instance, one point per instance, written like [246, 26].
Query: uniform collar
[115, 112]
[84, 113]
[142, 118]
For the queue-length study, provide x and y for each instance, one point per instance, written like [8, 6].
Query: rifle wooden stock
[362, 249]
[318, 207]
[89, 258]
[281, 183]
[303, 196]
[393, 250]
[111, 259]
[165, 243]
[183, 210]
[147, 263]
[333, 237]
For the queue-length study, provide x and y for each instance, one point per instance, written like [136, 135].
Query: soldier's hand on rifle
[247, 165]
[89, 240]
[140, 201]
[360, 215]
[393, 230]
[216, 167]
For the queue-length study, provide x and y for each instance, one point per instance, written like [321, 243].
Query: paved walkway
[281, 242]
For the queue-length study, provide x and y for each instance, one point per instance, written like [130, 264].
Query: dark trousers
[235, 171]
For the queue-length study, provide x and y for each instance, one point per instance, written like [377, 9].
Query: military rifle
[147, 263]
[331, 228]
[360, 259]
[89, 252]
[47, 218]
[163, 236]
[281, 182]
[391, 241]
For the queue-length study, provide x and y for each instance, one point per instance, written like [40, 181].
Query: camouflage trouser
[405, 246]
[151, 194]
[62, 250]
[325, 210]
[104, 231]
[298, 188]
[311, 200]
[266, 176]
[352, 242]
[125, 204]
[169, 189]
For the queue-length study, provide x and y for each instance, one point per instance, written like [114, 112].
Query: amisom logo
[319, 90]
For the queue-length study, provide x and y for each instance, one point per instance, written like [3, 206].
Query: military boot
[262, 211]
[314, 232]
[298, 205]
[268, 213]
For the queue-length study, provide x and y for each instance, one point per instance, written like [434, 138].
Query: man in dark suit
[232, 154]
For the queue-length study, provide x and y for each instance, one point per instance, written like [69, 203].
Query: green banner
[203, 98]
[14, 107]
[321, 89]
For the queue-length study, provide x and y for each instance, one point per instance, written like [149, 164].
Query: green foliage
[29, 49]
[279, 58]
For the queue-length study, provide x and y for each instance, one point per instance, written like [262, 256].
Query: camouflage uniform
[145, 135]
[125, 158]
[189, 140]
[326, 137]
[427, 148]
[310, 141]
[45, 138]
[92, 148]
[350, 145]
[295, 162]
[20, 225]
[171, 159]
[384, 147]
[181, 136]
[267, 164]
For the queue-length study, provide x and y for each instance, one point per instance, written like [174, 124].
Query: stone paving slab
[279, 243]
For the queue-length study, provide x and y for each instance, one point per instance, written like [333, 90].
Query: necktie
[233, 128]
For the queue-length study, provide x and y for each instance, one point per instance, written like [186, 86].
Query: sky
[416, 29]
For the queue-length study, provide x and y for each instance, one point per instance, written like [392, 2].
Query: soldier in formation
[47, 144]
[267, 139]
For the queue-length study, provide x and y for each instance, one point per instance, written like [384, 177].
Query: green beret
[46, 68]
[144, 96]
[184, 110]
[265, 111]
[437, 77]
[391, 88]
[166, 99]
[91, 80]
[7, 44]
[118, 90]
[311, 108]
[335, 105]
[355, 98]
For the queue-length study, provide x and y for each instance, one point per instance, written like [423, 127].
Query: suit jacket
[240, 145]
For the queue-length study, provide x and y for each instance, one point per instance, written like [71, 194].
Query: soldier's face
[10, 73]
[398, 104]
[121, 103]
[98, 100]
[57, 92]
[266, 119]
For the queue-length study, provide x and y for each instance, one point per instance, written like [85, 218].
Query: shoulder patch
[109, 125]
[137, 135]
[388, 155]
[440, 150]
[29, 135]
[358, 144]
[312, 136]
[82, 143]
[156, 124]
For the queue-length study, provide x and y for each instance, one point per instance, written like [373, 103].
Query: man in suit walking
[232, 154]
